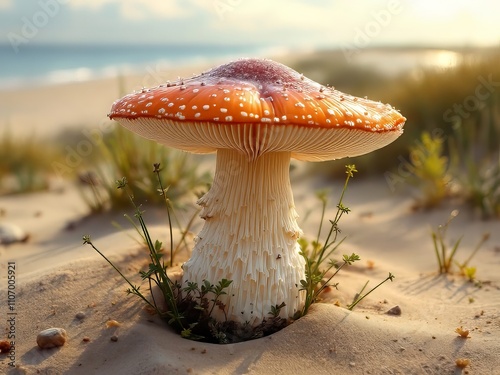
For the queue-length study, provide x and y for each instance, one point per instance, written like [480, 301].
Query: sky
[276, 23]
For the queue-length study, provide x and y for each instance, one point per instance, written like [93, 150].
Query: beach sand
[58, 277]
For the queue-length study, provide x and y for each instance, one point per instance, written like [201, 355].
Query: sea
[36, 64]
[41, 64]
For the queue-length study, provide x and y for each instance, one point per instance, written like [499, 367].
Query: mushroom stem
[250, 237]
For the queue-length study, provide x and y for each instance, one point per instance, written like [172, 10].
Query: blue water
[48, 64]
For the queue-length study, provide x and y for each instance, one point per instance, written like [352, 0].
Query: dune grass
[475, 156]
[124, 154]
[25, 164]
[446, 253]
[426, 97]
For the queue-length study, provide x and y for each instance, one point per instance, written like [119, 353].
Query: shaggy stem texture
[250, 237]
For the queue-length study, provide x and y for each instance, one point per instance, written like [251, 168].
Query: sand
[57, 278]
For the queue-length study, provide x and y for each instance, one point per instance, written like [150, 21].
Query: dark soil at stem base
[207, 329]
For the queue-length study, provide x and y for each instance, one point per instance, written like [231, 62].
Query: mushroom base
[250, 237]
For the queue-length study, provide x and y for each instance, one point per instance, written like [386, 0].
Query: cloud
[138, 9]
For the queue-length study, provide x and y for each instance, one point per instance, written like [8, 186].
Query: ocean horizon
[38, 64]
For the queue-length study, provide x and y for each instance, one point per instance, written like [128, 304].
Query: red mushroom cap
[264, 100]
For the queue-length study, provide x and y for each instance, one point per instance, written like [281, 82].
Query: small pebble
[10, 233]
[51, 338]
[114, 338]
[4, 346]
[80, 315]
[396, 310]
[86, 339]
[112, 323]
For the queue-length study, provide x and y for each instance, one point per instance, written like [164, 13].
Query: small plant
[318, 275]
[189, 307]
[430, 171]
[202, 299]
[359, 296]
[446, 256]
[124, 154]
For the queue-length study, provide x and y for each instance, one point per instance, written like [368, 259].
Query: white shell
[10, 233]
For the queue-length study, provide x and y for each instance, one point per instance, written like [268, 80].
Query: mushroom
[255, 114]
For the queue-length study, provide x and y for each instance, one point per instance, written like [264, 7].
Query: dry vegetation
[457, 107]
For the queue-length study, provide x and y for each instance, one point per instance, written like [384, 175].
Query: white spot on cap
[265, 119]
[244, 114]
[182, 107]
[164, 99]
[283, 117]
[161, 111]
[227, 99]
[300, 105]
[229, 118]
[194, 107]
[170, 104]
[266, 112]
[197, 114]
[206, 107]
[196, 90]
[330, 111]
[223, 110]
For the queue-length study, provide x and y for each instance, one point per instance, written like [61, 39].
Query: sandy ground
[57, 277]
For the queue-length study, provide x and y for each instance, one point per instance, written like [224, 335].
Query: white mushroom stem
[250, 237]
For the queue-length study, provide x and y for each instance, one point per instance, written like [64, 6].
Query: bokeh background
[437, 62]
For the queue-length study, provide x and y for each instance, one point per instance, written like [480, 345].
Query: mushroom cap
[258, 106]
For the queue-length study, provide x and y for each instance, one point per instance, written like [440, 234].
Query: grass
[198, 299]
[424, 96]
[470, 173]
[320, 267]
[124, 154]
[445, 254]
[25, 164]
[475, 160]
[189, 307]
